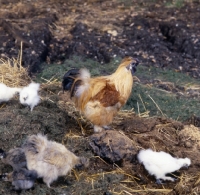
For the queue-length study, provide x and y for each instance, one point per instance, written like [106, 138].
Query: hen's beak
[133, 65]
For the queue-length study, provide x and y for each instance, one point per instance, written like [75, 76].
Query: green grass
[57, 71]
[175, 3]
[178, 78]
[177, 108]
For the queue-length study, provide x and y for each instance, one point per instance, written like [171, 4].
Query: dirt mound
[55, 31]
[113, 146]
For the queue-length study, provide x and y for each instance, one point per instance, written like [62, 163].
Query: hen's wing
[108, 96]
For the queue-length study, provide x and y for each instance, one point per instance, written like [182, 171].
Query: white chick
[161, 163]
[14, 157]
[50, 159]
[29, 95]
[21, 179]
[6, 93]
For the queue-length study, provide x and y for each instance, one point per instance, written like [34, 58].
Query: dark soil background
[161, 34]
[52, 31]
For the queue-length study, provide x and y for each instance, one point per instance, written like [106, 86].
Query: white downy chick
[50, 159]
[29, 95]
[6, 93]
[161, 163]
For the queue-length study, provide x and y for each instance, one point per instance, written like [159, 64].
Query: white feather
[161, 163]
[29, 95]
[6, 93]
[85, 76]
[84, 73]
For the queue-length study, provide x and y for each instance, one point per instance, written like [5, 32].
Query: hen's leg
[98, 129]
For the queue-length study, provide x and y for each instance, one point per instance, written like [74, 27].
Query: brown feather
[108, 96]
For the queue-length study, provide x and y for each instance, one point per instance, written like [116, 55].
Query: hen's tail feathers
[75, 86]
[69, 79]
[35, 144]
[75, 78]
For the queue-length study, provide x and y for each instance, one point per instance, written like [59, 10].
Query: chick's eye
[25, 98]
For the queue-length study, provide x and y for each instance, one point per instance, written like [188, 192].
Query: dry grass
[12, 73]
[191, 133]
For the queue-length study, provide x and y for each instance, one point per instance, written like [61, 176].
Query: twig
[142, 102]
[156, 105]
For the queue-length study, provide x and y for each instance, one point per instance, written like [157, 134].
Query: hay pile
[13, 74]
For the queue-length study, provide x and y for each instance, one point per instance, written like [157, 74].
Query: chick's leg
[159, 181]
[47, 181]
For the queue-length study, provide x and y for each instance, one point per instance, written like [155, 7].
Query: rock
[113, 146]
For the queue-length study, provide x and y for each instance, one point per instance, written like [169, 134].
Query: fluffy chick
[6, 93]
[14, 157]
[21, 179]
[50, 159]
[29, 95]
[161, 163]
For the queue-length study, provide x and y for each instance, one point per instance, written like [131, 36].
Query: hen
[100, 98]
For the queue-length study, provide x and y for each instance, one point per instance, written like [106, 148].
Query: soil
[117, 149]
[53, 31]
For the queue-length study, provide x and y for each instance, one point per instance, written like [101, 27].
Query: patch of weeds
[175, 3]
[172, 106]
[57, 71]
[178, 78]
[126, 3]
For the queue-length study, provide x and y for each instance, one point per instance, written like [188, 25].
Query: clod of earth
[113, 146]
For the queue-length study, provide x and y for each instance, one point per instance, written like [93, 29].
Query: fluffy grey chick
[14, 157]
[21, 179]
[50, 159]
[161, 163]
